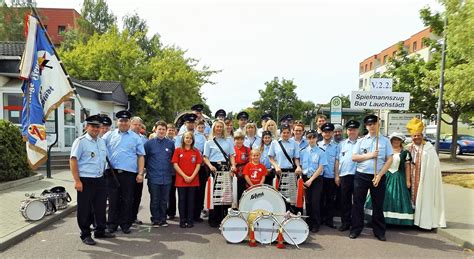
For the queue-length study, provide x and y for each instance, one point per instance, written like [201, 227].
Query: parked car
[465, 144]
[430, 138]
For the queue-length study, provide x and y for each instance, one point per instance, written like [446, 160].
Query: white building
[104, 97]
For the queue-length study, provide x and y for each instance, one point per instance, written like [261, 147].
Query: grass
[463, 180]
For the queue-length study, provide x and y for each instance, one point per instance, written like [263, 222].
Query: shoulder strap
[222, 150]
[286, 154]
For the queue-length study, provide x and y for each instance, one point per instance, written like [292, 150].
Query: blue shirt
[214, 154]
[346, 165]
[199, 141]
[158, 160]
[250, 142]
[124, 149]
[91, 156]
[207, 129]
[367, 144]
[276, 152]
[311, 159]
[303, 143]
[264, 159]
[332, 154]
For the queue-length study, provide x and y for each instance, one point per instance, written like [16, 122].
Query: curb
[463, 243]
[23, 233]
[30, 179]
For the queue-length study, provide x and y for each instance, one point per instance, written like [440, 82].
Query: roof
[11, 48]
[115, 88]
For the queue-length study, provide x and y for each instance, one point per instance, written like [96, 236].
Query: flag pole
[376, 145]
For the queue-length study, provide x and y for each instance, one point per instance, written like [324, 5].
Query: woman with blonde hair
[219, 155]
[272, 127]
[251, 139]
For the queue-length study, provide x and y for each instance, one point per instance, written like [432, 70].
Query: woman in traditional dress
[397, 206]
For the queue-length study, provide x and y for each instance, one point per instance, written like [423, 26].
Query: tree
[96, 17]
[138, 28]
[278, 99]
[12, 20]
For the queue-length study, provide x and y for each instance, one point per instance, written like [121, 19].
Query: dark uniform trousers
[200, 193]
[91, 203]
[313, 202]
[121, 201]
[328, 200]
[186, 203]
[171, 211]
[347, 190]
[363, 183]
[137, 198]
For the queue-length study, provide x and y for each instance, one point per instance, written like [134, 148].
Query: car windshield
[466, 137]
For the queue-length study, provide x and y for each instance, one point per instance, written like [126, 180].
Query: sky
[318, 44]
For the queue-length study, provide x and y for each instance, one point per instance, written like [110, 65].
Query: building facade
[58, 20]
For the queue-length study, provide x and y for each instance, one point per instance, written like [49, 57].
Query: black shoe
[112, 229]
[314, 229]
[138, 222]
[171, 217]
[88, 241]
[155, 224]
[182, 225]
[104, 235]
[163, 224]
[353, 235]
[198, 220]
[381, 238]
[344, 228]
[126, 230]
[331, 225]
[190, 225]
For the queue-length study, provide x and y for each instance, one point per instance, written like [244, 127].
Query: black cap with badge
[266, 116]
[287, 118]
[243, 115]
[327, 127]
[190, 117]
[94, 120]
[220, 113]
[352, 124]
[197, 107]
[372, 118]
[124, 114]
[106, 120]
[312, 133]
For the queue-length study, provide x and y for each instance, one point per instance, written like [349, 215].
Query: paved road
[61, 240]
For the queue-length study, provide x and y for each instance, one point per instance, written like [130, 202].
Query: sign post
[336, 110]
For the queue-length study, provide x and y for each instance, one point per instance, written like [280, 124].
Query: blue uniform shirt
[250, 142]
[303, 143]
[311, 158]
[158, 160]
[207, 129]
[214, 154]
[332, 154]
[264, 159]
[276, 152]
[367, 144]
[199, 141]
[124, 149]
[346, 165]
[91, 156]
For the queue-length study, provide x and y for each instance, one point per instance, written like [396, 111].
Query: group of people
[404, 183]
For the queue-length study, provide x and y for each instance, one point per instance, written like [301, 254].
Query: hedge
[13, 161]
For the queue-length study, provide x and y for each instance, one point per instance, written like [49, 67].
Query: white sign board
[336, 110]
[381, 84]
[397, 122]
[380, 100]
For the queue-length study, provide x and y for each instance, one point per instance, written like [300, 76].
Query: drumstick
[271, 213]
[286, 232]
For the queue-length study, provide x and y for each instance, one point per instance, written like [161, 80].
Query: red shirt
[255, 172]
[242, 156]
[187, 160]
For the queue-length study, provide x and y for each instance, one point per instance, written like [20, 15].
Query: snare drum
[296, 230]
[33, 209]
[265, 229]
[234, 227]
[262, 197]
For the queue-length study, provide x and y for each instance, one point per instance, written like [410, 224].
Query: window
[394, 53]
[365, 68]
[61, 29]
[414, 46]
[385, 59]
[12, 106]
[370, 67]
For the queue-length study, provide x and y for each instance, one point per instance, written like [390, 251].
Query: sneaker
[163, 224]
[88, 241]
[155, 225]
[182, 225]
[190, 225]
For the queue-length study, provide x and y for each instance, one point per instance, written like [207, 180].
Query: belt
[119, 171]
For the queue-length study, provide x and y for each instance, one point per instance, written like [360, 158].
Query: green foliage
[12, 20]
[278, 99]
[96, 17]
[13, 164]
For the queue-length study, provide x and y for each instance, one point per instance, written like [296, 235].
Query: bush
[13, 161]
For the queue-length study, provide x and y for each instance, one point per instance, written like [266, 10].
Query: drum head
[234, 229]
[265, 229]
[295, 231]
[262, 197]
[35, 210]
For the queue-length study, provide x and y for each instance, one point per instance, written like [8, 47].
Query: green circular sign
[336, 101]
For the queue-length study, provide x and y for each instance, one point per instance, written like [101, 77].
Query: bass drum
[295, 230]
[262, 197]
[33, 209]
[234, 227]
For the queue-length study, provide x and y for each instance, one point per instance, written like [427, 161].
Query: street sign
[336, 110]
[381, 84]
[397, 122]
[380, 100]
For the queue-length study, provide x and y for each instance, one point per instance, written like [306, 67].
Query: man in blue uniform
[126, 152]
[197, 109]
[330, 175]
[243, 118]
[87, 163]
[159, 151]
[347, 169]
[365, 153]
[220, 115]
[136, 126]
[106, 124]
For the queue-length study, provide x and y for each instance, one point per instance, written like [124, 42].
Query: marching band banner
[45, 87]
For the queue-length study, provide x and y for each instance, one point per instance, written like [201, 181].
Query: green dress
[397, 207]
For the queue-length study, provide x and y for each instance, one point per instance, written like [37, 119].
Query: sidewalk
[13, 227]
